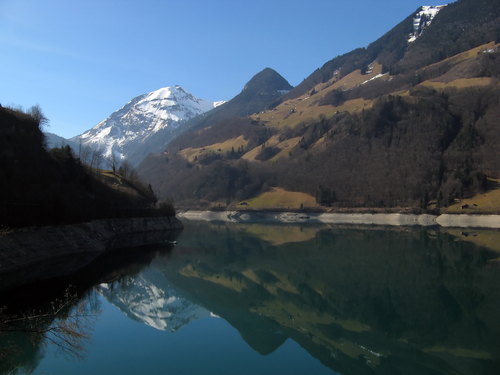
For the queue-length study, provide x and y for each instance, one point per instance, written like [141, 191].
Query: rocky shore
[460, 221]
[31, 254]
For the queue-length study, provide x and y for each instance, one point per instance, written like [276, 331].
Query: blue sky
[82, 60]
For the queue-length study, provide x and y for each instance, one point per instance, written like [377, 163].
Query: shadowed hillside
[41, 187]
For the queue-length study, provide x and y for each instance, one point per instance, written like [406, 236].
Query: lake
[236, 298]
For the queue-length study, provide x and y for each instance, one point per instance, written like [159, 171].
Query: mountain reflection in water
[149, 298]
[362, 300]
[389, 300]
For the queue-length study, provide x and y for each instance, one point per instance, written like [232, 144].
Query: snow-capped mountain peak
[143, 117]
[423, 19]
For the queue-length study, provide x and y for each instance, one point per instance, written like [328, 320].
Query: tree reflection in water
[67, 320]
[66, 324]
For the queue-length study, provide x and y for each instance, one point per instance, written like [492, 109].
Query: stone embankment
[462, 221]
[31, 254]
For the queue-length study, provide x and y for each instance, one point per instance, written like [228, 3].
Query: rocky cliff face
[31, 254]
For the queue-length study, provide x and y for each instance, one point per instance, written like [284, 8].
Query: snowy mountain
[54, 140]
[422, 20]
[143, 117]
[150, 299]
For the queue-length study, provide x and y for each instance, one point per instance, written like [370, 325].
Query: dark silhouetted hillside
[41, 187]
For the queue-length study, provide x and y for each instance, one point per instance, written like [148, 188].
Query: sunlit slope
[485, 203]
[192, 154]
[292, 112]
[279, 199]
[373, 138]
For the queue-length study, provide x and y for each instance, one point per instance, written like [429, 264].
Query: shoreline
[396, 219]
[31, 254]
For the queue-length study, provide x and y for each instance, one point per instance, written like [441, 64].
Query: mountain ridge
[148, 122]
[365, 130]
[262, 89]
[142, 117]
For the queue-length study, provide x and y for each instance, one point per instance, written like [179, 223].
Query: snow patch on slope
[423, 19]
[373, 78]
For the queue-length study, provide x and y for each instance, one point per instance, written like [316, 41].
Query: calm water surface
[265, 299]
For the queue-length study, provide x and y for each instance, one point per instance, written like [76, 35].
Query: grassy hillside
[417, 142]
[280, 199]
[487, 202]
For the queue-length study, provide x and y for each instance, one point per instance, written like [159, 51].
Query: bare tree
[97, 158]
[37, 114]
[132, 174]
[67, 324]
[126, 169]
[80, 149]
[85, 155]
[15, 107]
[112, 161]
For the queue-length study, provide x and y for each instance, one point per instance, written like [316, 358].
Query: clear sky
[81, 60]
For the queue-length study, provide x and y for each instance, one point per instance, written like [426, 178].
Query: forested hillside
[41, 187]
[394, 125]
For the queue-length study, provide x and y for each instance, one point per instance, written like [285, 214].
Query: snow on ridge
[144, 116]
[163, 101]
[427, 14]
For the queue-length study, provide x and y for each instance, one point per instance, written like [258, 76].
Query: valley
[347, 224]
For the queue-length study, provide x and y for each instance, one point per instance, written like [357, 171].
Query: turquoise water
[261, 299]
[206, 346]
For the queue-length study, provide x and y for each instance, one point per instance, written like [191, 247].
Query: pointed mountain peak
[263, 89]
[142, 117]
[176, 93]
[268, 80]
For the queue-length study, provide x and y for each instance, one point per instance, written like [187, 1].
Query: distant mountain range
[54, 140]
[149, 122]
